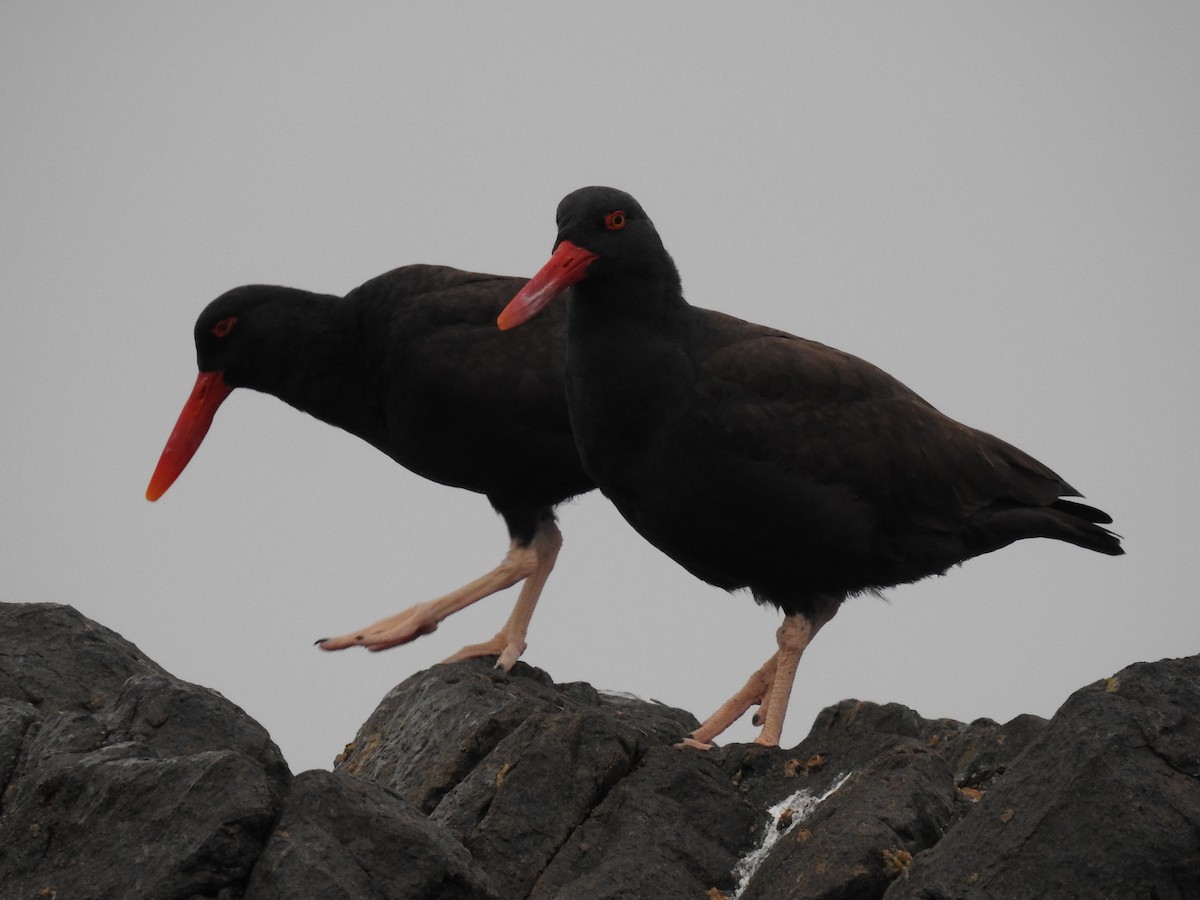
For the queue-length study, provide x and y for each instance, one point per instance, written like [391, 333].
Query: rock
[119, 780]
[870, 787]
[175, 718]
[119, 823]
[430, 732]
[673, 827]
[54, 659]
[982, 751]
[1105, 802]
[340, 836]
[16, 717]
[863, 836]
[511, 764]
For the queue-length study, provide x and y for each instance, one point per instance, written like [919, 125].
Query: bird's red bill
[567, 266]
[208, 393]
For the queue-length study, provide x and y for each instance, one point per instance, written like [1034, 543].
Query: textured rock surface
[122, 781]
[511, 765]
[340, 836]
[118, 780]
[1104, 803]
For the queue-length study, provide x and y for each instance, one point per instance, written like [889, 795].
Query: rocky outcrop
[119, 780]
[339, 836]
[1104, 803]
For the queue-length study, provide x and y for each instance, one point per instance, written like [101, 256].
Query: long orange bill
[567, 266]
[208, 394]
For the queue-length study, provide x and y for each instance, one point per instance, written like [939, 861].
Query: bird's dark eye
[615, 220]
[222, 328]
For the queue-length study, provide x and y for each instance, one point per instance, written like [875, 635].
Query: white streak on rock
[800, 806]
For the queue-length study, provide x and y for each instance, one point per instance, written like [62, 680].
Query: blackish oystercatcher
[412, 363]
[757, 459]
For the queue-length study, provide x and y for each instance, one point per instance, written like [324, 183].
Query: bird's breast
[622, 397]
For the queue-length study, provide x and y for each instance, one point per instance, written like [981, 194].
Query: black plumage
[412, 363]
[761, 460]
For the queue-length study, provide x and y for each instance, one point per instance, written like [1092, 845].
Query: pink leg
[732, 709]
[793, 636]
[770, 686]
[532, 564]
[509, 642]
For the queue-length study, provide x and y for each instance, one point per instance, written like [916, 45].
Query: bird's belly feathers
[740, 526]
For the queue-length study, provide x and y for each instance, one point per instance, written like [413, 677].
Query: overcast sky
[998, 204]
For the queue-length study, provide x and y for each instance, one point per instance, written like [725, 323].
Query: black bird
[412, 363]
[757, 459]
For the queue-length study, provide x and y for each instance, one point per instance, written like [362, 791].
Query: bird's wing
[818, 414]
[484, 402]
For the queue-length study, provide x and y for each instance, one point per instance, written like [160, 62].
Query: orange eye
[222, 328]
[615, 220]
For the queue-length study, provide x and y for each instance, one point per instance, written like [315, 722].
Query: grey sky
[998, 204]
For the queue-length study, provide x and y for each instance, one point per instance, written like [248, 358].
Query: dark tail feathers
[1080, 525]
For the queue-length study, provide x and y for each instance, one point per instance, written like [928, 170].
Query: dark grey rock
[430, 732]
[345, 837]
[865, 834]
[176, 718]
[673, 828]
[979, 753]
[54, 658]
[510, 764]
[1104, 803]
[114, 823]
[119, 780]
[16, 718]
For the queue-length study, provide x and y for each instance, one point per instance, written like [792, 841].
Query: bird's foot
[693, 744]
[753, 692]
[390, 632]
[507, 648]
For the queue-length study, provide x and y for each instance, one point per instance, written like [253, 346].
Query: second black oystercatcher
[412, 363]
[760, 460]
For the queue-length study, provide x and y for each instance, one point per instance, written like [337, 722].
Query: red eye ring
[222, 328]
[615, 220]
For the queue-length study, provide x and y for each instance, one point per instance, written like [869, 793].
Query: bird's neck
[627, 366]
[308, 359]
[644, 300]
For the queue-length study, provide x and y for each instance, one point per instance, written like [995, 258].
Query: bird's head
[603, 234]
[237, 330]
[223, 339]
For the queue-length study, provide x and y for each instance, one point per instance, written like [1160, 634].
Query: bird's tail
[1062, 520]
[1081, 525]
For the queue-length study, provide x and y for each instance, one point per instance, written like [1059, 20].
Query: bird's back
[461, 402]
